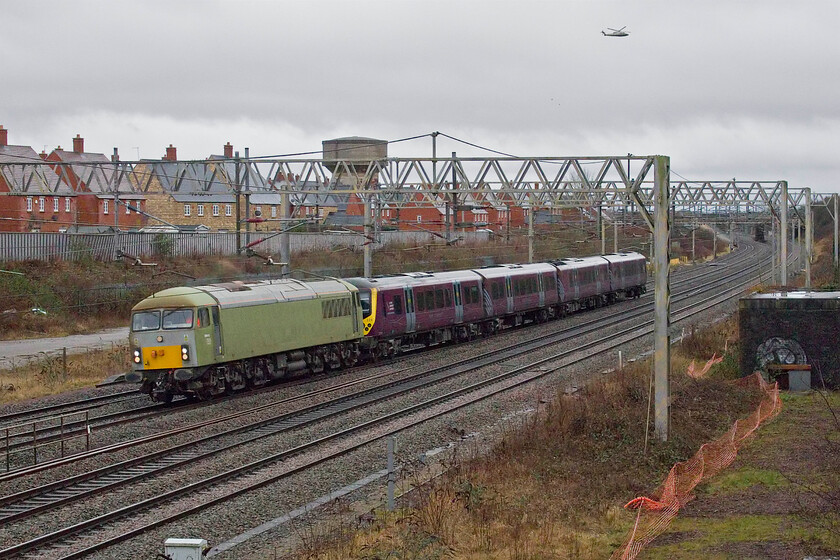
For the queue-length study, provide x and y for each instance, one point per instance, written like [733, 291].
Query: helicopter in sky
[616, 32]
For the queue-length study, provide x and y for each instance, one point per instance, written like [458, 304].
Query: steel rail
[585, 352]
[523, 351]
[49, 464]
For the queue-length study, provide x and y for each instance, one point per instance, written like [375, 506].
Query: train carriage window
[396, 304]
[203, 318]
[421, 301]
[145, 321]
[475, 294]
[447, 296]
[178, 319]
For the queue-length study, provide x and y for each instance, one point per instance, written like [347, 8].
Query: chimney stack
[4, 136]
[228, 150]
[116, 156]
[79, 144]
[171, 153]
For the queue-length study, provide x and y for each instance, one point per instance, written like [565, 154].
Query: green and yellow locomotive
[205, 341]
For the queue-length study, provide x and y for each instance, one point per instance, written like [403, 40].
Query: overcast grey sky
[726, 88]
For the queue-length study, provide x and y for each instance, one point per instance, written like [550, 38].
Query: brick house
[99, 186]
[186, 194]
[178, 194]
[29, 199]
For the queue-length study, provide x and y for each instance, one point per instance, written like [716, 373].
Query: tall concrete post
[783, 235]
[775, 246]
[368, 248]
[836, 233]
[615, 232]
[731, 234]
[285, 238]
[808, 238]
[530, 234]
[714, 241]
[662, 297]
[601, 226]
[693, 244]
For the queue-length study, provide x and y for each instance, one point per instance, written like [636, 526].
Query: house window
[127, 207]
[200, 208]
[273, 211]
[258, 211]
[41, 202]
[227, 210]
[29, 204]
[187, 210]
[55, 204]
[419, 218]
[215, 209]
[105, 206]
[66, 204]
[138, 206]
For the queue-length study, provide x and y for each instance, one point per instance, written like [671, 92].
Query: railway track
[633, 309]
[513, 351]
[21, 439]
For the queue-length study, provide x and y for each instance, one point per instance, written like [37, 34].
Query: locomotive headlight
[185, 352]
[137, 356]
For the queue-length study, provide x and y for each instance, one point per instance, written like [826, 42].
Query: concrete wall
[812, 323]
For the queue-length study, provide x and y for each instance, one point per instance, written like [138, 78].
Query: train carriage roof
[415, 279]
[624, 257]
[579, 262]
[503, 270]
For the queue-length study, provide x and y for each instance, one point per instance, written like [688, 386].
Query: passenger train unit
[206, 341]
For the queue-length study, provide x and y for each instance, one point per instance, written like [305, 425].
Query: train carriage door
[357, 304]
[509, 293]
[410, 317]
[217, 332]
[574, 276]
[541, 289]
[459, 302]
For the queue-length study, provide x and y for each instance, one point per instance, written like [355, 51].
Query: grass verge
[555, 487]
[49, 375]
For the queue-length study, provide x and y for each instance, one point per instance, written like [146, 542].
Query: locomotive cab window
[145, 321]
[178, 319]
[364, 299]
[203, 319]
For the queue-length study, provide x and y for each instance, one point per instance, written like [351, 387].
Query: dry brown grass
[48, 374]
[554, 487]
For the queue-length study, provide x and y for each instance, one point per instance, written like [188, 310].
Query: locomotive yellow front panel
[162, 357]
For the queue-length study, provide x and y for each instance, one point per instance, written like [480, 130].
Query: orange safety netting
[655, 514]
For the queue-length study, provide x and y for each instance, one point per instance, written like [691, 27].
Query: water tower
[358, 152]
